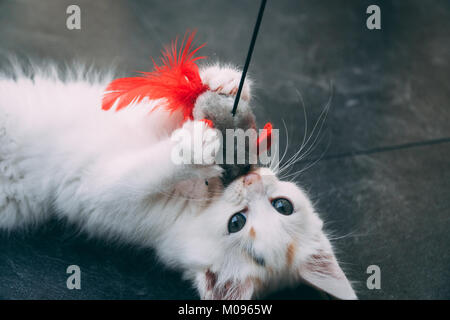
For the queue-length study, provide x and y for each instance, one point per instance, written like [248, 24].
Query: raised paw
[225, 81]
[196, 143]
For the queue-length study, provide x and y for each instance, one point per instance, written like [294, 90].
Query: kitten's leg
[225, 80]
[115, 195]
[18, 206]
[157, 169]
[15, 209]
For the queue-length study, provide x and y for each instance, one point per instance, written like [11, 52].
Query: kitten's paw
[225, 81]
[201, 141]
[196, 145]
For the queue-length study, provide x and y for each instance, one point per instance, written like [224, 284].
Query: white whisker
[309, 143]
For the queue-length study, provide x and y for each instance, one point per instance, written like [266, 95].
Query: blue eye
[236, 222]
[283, 206]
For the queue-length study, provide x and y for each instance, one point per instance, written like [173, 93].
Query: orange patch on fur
[252, 233]
[290, 252]
[324, 263]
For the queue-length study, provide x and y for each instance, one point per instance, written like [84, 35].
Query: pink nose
[251, 178]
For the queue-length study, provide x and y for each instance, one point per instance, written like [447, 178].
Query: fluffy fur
[111, 174]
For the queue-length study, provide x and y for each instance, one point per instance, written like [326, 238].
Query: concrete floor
[383, 184]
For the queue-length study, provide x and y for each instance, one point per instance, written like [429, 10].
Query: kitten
[111, 174]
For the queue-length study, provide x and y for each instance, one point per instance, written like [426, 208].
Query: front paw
[225, 81]
[196, 146]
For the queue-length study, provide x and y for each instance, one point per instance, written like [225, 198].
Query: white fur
[111, 174]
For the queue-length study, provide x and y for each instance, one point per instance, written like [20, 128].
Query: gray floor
[383, 184]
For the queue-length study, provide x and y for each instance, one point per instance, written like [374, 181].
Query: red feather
[266, 134]
[208, 122]
[177, 81]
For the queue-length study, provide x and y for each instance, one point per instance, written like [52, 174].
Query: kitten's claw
[225, 81]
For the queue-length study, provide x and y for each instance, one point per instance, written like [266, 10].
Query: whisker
[314, 162]
[302, 102]
[309, 143]
[286, 146]
[298, 156]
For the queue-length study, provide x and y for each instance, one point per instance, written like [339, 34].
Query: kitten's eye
[283, 206]
[236, 222]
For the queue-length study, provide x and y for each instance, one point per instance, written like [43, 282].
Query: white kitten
[111, 173]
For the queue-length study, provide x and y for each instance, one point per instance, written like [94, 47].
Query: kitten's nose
[252, 178]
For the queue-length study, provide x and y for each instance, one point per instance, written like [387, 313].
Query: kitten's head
[259, 235]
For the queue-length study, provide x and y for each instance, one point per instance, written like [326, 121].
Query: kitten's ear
[210, 289]
[321, 270]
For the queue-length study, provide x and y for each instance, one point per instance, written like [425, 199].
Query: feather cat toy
[177, 82]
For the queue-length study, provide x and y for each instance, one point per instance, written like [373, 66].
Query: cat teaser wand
[178, 83]
[249, 54]
[267, 133]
